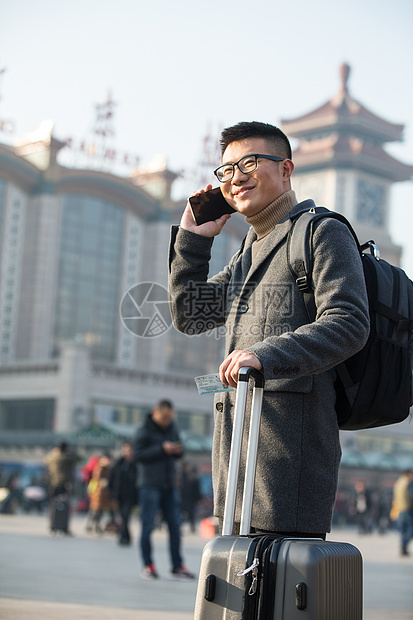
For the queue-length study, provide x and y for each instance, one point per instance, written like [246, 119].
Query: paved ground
[88, 578]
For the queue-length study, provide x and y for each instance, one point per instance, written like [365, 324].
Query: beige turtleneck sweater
[265, 221]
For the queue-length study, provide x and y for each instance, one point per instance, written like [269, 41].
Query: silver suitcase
[265, 576]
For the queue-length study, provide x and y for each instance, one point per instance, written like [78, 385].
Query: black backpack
[374, 387]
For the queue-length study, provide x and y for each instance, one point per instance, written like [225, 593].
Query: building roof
[32, 165]
[21, 172]
[346, 151]
[343, 112]
[343, 133]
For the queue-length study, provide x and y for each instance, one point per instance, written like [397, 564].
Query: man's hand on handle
[229, 369]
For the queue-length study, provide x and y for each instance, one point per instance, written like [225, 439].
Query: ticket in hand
[211, 384]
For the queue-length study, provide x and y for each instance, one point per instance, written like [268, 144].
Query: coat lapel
[246, 257]
[269, 246]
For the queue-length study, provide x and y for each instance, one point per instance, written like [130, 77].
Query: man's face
[127, 451]
[250, 193]
[163, 417]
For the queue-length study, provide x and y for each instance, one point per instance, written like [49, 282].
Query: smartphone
[209, 206]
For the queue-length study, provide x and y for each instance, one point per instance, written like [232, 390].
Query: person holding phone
[267, 328]
[157, 446]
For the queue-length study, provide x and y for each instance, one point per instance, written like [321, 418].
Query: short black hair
[164, 404]
[277, 140]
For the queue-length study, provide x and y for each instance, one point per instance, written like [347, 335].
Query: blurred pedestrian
[100, 500]
[380, 510]
[190, 494]
[403, 506]
[362, 507]
[122, 485]
[61, 463]
[157, 447]
[9, 493]
[87, 470]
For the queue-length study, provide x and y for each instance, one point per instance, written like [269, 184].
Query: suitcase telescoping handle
[235, 455]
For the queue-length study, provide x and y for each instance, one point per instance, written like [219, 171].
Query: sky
[179, 70]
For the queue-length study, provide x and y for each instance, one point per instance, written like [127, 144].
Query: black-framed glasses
[246, 164]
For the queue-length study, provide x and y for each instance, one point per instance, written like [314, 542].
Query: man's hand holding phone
[208, 228]
[172, 447]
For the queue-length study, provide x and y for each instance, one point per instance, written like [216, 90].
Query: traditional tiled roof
[342, 112]
[342, 132]
[336, 151]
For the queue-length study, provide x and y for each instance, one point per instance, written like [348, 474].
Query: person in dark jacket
[190, 494]
[157, 447]
[122, 485]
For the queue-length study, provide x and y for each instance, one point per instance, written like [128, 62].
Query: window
[90, 267]
[26, 415]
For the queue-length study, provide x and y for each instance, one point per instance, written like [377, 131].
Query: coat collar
[271, 241]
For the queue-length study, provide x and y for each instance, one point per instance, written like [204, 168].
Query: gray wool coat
[263, 311]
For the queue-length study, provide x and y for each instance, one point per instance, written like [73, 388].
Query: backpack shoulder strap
[299, 250]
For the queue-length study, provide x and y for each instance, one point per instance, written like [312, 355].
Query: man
[61, 463]
[157, 447]
[190, 494]
[403, 503]
[363, 507]
[267, 328]
[122, 485]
